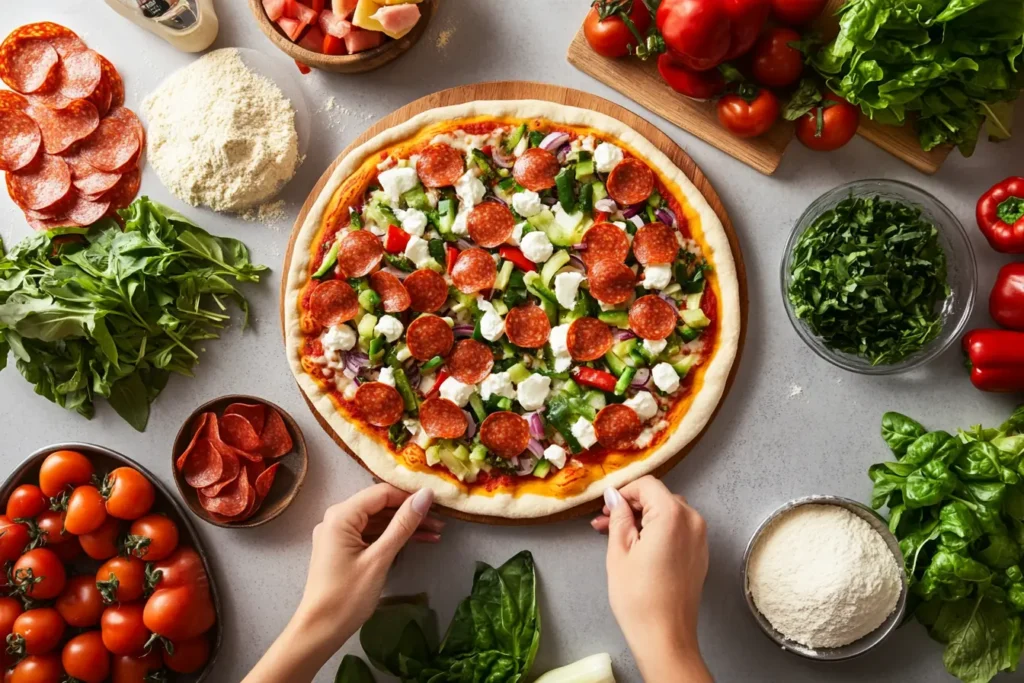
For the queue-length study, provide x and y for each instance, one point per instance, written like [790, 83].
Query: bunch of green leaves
[956, 504]
[107, 312]
[493, 636]
[868, 276]
[947, 65]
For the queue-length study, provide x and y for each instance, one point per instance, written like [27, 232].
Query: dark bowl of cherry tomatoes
[106, 577]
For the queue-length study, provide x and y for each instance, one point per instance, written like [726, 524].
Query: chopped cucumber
[596, 399]
[499, 307]
[693, 301]
[542, 219]
[619, 319]
[536, 137]
[541, 469]
[504, 274]
[536, 287]
[571, 388]
[457, 467]
[565, 184]
[433, 455]
[446, 216]
[518, 373]
[695, 318]
[366, 325]
[688, 333]
[403, 354]
[461, 452]
[567, 229]
[327, 265]
[587, 199]
[624, 379]
[683, 365]
[416, 198]
[615, 364]
[369, 300]
[622, 349]
[380, 213]
[585, 168]
[479, 453]
[355, 221]
[513, 138]
[477, 405]
[599, 191]
[551, 266]
[504, 403]
[551, 308]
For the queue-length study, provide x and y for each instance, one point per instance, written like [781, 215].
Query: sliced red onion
[562, 153]
[470, 425]
[577, 263]
[642, 376]
[463, 330]
[553, 141]
[666, 216]
[536, 423]
[580, 246]
[526, 464]
[400, 274]
[355, 361]
[607, 205]
[463, 244]
[623, 335]
[536, 448]
[548, 201]
[637, 221]
[495, 198]
[633, 210]
[671, 302]
[500, 159]
[349, 373]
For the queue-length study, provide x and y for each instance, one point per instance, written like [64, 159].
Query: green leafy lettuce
[107, 312]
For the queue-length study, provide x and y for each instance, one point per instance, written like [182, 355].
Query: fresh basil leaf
[353, 670]
[899, 431]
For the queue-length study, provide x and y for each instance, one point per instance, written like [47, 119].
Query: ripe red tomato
[80, 604]
[700, 85]
[746, 19]
[775, 63]
[26, 501]
[181, 607]
[62, 470]
[611, 37]
[189, 655]
[13, 539]
[51, 528]
[86, 511]
[38, 669]
[797, 12]
[67, 552]
[837, 124]
[697, 31]
[124, 632]
[86, 659]
[152, 538]
[101, 544]
[39, 574]
[36, 631]
[133, 669]
[747, 119]
[129, 494]
[10, 609]
[121, 579]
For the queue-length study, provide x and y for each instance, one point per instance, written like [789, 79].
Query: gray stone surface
[793, 424]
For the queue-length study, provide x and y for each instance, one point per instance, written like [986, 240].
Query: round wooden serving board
[515, 90]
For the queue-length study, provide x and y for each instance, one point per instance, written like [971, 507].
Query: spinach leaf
[899, 431]
[981, 638]
[396, 632]
[353, 670]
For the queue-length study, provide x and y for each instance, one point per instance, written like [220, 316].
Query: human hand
[656, 576]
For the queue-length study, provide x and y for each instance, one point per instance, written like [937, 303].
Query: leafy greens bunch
[105, 312]
[493, 636]
[867, 277]
[956, 504]
[948, 64]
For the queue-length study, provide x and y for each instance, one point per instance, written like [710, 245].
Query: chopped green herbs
[867, 277]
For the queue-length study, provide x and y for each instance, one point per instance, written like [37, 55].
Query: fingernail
[422, 500]
[612, 498]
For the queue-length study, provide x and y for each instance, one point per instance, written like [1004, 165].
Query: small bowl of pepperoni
[239, 461]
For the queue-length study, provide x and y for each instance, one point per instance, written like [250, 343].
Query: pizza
[514, 303]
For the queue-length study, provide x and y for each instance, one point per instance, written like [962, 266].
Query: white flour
[823, 577]
[220, 135]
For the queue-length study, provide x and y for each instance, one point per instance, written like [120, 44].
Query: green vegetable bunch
[493, 636]
[105, 312]
[956, 504]
[948, 65]
[868, 276]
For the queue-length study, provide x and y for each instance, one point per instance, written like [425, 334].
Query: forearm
[296, 656]
[670, 661]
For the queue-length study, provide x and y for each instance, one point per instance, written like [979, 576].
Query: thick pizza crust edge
[382, 462]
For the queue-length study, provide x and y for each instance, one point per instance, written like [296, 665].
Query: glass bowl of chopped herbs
[879, 277]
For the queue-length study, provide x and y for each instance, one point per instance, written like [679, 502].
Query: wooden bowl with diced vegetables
[344, 36]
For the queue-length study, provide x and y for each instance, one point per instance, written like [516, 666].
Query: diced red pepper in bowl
[333, 45]
[313, 40]
[359, 40]
[274, 9]
[291, 27]
[306, 15]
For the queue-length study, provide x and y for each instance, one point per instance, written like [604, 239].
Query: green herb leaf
[353, 670]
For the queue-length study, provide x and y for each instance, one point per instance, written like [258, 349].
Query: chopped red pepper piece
[333, 45]
[442, 375]
[303, 69]
[996, 359]
[396, 240]
[1006, 302]
[515, 255]
[453, 255]
[600, 217]
[1000, 215]
[317, 5]
[598, 379]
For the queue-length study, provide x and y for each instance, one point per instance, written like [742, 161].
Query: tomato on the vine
[39, 574]
[51, 531]
[828, 126]
[121, 579]
[797, 12]
[36, 632]
[13, 539]
[611, 36]
[123, 630]
[152, 538]
[129, 494]
[38, 669]
[774, 63]
[62, 470]
[101, 544]
[10, 609]
[189, 655]
[81, 604]
[747, 118]
[85, 658]
[700, 85]
[67, 552]
[181, 607]
[26, 501]
[134, 669]
[86, 511]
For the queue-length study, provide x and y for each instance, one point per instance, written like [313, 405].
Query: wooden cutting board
[514, 90]
[640, 81]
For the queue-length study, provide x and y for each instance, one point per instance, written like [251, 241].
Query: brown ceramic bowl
[287, 482]
[346, 64]
[106, 460]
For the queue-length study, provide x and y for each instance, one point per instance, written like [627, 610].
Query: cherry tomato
[13, 539]
[51, 528]
[153, 537]
[797, 12]
[86, 511]
[697, 31]
[700, 85]
[81, 604]
[62, 470]
[102, 543]
[86, 659]
[38, 669]
[746, 19]
[26, 501]
[838, 124]
[121, 579]
[611, 37]
[39, 574]
[36, 631]
[124, 632]
[189, 655]
[10, 609]
[129, 494]
[775, 63]
[67, 552]
[181, 607]
[184, 567]
[133, 669]
[747, 119]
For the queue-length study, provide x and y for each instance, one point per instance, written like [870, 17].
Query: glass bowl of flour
[823, 577]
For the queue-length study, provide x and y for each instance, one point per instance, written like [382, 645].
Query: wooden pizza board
[640, 81]
[513, 90]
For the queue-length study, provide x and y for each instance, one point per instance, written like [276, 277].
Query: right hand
[656, 574]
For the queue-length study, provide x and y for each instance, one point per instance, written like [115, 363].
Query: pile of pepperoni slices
[70, 148]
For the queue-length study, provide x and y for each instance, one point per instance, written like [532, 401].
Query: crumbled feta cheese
[655, 346]
[587, 143]
[386, 376]
[517, 233]
[536, 246]
[555, 455]
[469, 189]
[643, 404]
[566, 286]
[456, 392]
[657, 276]
[665, 377]
[388, 162]
[459, 226]
[417, 250]
[497, 384]
[398, 181]
[522, 145]
[533, 391]
[390, 327]
[350, 389]
[559, 349]
[413, 221]
[645, 438]
[584, 432]
[427, 382]
[338, 338]
[491, 324]
[527, 203]
[606, 156]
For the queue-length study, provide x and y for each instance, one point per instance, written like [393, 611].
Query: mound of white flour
[221, 135]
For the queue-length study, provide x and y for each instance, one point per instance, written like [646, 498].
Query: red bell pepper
[996, 359]
[317, 5]
[396, 239]
[303, 69]
[1006, 302]
[442, 375]
[1000, 214]
[600, 217]
[453, 255]
[598, 379]
[515, 255]
[333, 45]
